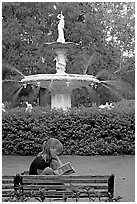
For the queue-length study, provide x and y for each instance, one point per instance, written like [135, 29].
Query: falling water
[119, 85]
[113, 82]
[104, 73]
[50, 85]
[7, 69]
[14, 69]
[16, 93]
[13, 85]
[116, 93]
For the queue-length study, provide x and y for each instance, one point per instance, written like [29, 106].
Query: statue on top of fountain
[61, 28]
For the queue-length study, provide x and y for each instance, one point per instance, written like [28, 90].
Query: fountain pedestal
[61, 100]
[60, 91]
[60, 94]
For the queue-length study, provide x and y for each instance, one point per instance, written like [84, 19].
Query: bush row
[83, 131]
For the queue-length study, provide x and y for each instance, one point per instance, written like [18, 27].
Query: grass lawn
[122, 166]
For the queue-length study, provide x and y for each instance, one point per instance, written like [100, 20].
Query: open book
[66, 169]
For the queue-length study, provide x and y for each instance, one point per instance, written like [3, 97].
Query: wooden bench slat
[63, 181]
[57, 193]
[8, 186]
[32, 186]
[61, 187]
[7, 181]
[25, 181]
[55, 176]
[7, 177]
[66, 180]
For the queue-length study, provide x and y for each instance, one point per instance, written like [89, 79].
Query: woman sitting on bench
[47, 161]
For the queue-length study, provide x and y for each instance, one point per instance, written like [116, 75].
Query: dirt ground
[122, 166]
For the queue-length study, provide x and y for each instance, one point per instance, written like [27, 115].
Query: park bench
[58, 188]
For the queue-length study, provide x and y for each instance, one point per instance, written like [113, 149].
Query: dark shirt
[38, 163]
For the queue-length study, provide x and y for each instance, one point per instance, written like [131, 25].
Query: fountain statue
[61, 28]
[60, 84]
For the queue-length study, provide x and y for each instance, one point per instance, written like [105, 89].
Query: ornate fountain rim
[65, 77]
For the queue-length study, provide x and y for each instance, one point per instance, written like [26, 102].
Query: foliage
[104, 30]
[107, 30]
[83, 131]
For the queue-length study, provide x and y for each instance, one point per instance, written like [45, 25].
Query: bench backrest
[57, 184]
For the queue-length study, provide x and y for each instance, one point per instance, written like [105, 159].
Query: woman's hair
[51, 143]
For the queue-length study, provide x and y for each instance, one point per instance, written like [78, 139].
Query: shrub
[83, 131]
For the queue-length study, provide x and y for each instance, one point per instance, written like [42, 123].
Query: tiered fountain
[60, 84]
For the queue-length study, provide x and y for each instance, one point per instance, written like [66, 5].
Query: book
[66, 169]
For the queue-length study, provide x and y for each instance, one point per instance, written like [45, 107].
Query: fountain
[60, 84]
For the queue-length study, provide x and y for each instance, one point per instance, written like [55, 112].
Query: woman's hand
[54, 164]
[39, 171]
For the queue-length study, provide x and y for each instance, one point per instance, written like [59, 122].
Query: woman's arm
[59, 161]
[54, 156]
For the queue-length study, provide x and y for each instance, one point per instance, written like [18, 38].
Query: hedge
[83, 131]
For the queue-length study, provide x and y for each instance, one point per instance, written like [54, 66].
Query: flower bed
[83, 131]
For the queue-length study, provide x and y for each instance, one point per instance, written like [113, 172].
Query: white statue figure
[29, 107]
[106, 106]
[61, 28]
[3, 108]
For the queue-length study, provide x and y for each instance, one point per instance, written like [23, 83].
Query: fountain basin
[71, 81]
[60, 86]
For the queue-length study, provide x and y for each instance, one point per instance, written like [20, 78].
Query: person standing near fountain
[61, 28]
[3, 108]
[47, 161]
